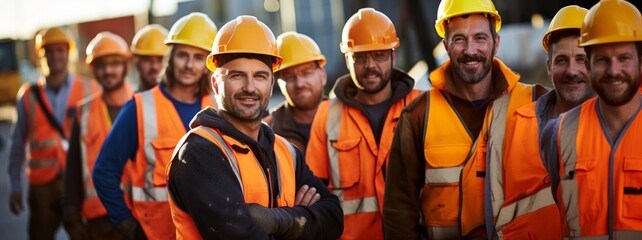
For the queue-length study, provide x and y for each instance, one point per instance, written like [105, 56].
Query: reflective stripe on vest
[47, 148]
[36, 144]
[43, 163]
[165, 133]
[455, 161]
[622, 234]
[149, 193]
[333, 124]
[568, 154]
[596, 172]
[233, 161]
[443, 175]
[532, 203]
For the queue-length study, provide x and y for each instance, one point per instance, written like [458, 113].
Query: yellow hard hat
[453, 8]
[106, 43]
[611, 21]
[195, 29]
[296, 48]
[368, 30]
[245, 34]
[569, 17]
[149, 41]
[53, 36]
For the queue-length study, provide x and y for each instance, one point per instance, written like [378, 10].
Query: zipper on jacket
[269, 177]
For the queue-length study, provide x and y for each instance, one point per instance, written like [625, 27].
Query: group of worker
[194, 153]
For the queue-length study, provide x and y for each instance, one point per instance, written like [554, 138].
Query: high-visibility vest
[355, 163]
[95, 124]
[159, 130]
[246, 169]
[600, 192]
[529, 210]
[453, 197]
[47, 149]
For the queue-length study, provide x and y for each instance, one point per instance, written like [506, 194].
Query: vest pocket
[632, 188]
[163, 149]
[349, 165]
[440, 197]
[587, 189]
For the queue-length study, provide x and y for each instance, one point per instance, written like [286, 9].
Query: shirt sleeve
[17, 151]
[120, 145]
[404, 180]
[72, 196]
[202, 184]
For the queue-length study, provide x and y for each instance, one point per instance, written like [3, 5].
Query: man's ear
[214, 84]
[497, 38]
[347, 60]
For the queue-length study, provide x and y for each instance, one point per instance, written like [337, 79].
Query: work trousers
[101, 228]
[45, 208]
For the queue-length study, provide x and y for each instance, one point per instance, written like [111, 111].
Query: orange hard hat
[53, 36]
[368, 30]
[106, 43]
[245, 34]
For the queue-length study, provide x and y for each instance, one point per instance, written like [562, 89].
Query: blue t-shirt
[122, 144]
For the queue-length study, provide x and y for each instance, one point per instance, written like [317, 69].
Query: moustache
[371, 71]
[574, 79]
[248, 95]
[471, 58]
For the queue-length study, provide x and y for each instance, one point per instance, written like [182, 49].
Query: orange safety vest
[95, 124]
[600, 192]
[246, 167]
[453, 194]
[159, 130]
[47, 149]
[354, 162]
[529, 210]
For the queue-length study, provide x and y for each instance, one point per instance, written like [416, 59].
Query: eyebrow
[244, 73]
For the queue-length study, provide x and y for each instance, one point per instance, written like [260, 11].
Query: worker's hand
[277, 221]
[75, 227]
[131, 229]
[15, 203]
[306, 196]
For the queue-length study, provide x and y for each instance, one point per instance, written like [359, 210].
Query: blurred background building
[523, 25]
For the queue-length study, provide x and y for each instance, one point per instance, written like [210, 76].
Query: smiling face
[57, 56]
[110, 71]
[149, 68]
[371, 71]
[567, 69]
[243, 87]
[188, 64]
[471, 47]
[303, 84]
[615, 72]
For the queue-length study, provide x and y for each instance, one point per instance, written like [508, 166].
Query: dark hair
[167, 75]
[556, 36]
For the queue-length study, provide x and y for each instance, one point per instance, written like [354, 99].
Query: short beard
[616, 101]
[475, 77]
